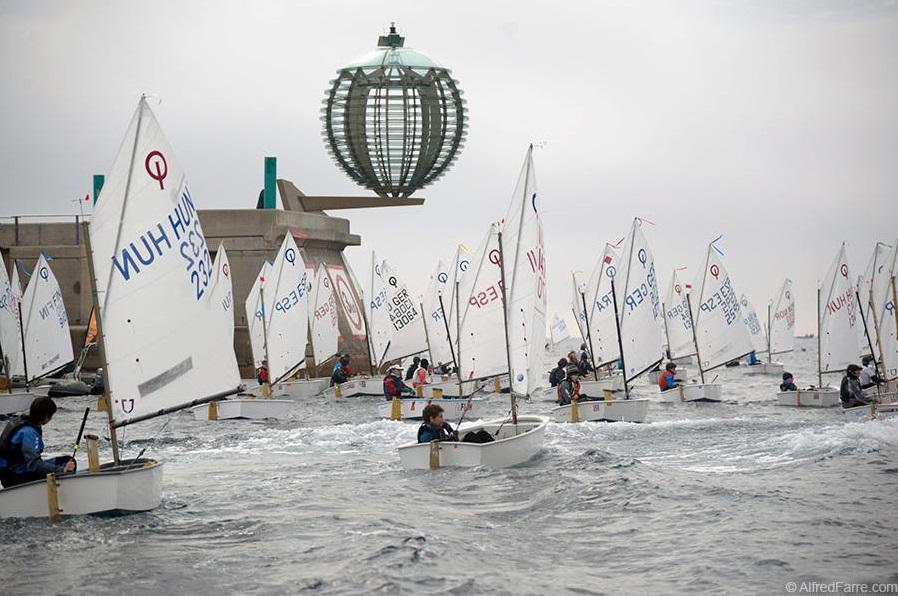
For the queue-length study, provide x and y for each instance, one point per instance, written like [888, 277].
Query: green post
[271, 170]
[99, 179]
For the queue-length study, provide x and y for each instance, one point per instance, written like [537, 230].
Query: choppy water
[739, 497]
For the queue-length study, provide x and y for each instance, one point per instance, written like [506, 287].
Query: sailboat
[677, 326]
[455, 405]
[441, 308]
[637, 316]
[880, 332]
[756, 331]
[277, 317]
[376, 314]
[718, 332]
[323, 335]
[595, 310]
[780, 330]
[837, 336]
[506, 293]
[11, 345]
[160, 334]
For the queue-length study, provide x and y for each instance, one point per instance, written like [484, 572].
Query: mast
[620, 341]
[24, 356]
[448, 335]
[819, 355]
[457, 333]
[769, 331]
[698, 355]
[426, 334]
[514, 406]
[595, 373]
[867, 332]
[101, 343]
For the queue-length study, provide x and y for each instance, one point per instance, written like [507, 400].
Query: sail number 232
[199, 262]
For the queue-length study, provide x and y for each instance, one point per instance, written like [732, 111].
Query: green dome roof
[388, 56]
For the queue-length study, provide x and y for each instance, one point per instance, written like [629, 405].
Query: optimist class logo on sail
[179, 230]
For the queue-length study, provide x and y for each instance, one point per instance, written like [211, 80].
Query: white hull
[514, 444]
[450, 389]
[247, 408]
[707, 392]
[356, 388]
[766, 368]
[412, 407]
[13, 403]
[826, 397]
[871, 412]
[595, 388]
[618, 410]
[136, 487]
[301, 387]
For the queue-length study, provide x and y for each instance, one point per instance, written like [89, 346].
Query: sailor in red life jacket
[668, 379]
[421, 374]
[393, 384]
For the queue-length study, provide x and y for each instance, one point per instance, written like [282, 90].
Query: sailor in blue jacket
[22, 443]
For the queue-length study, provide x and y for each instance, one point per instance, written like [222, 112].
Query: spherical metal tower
[394, 120]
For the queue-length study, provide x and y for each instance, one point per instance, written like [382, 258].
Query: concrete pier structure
[249, 235]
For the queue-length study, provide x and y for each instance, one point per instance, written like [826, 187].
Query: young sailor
[668, 379]
[788, 383]
[22, 443]
[393, 384]
[850, 390]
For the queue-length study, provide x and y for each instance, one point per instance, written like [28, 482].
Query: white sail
[10, 331]
[782, 323]
[639, 306]
[525, 273]
[883, 300]
[325, 320]
[406, 322]
[377, 313]
[460, 265]
[435, 318]
[286, 292]
[222, 304]
[255, 315]
[602, 326]
[838, 317]
[680, 342]
[717, 316]
[48, 341]
[558, 331]
[753, 325]
[481, 342]
[876, 270]
[153, 269]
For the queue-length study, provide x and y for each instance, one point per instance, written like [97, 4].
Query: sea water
[738, 497]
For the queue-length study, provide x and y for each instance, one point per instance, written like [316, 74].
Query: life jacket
[13, 455]
[420, 377]
[393, 386]
[664, 381]
[442, 433]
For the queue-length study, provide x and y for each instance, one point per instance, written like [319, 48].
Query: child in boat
[668, 379]
[393, 384]
[788, 383]
[569, 388]
[22, 443]
[435, 428]
[850, 391]
[421, 376]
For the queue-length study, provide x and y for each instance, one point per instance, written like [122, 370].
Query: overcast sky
[772, 123]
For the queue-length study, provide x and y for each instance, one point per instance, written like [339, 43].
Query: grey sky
[773, 123]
